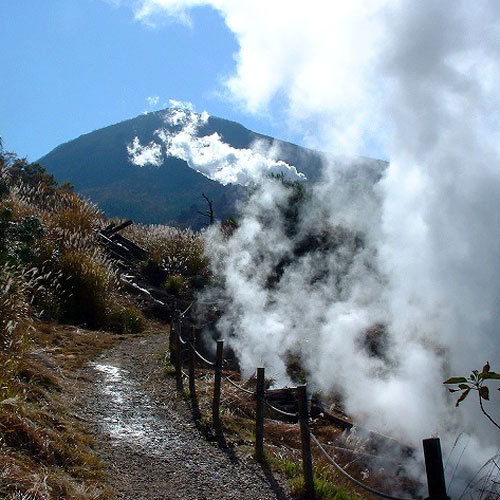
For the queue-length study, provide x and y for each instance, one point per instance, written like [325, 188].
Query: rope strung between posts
[188, 307]
[286, 414]
[200, 356]
[211, 363]
[237, 386]
[182, 314]
[359, 454]
[347, 475]
[281, 412]
[179, 336]
[185, 342]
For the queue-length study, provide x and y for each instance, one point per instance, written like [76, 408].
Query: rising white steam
[209, 154]
[418, 82]
[141, 156]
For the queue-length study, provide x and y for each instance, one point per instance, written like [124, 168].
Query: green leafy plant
[475, 382]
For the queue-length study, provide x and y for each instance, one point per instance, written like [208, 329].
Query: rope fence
[432, 448]
[200, 356]
[347, 475]
[281, 412]
[242, 389]
[182, 314]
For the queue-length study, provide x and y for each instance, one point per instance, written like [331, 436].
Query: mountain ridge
[98, 164]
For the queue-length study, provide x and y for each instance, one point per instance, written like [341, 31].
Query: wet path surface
[151, 449]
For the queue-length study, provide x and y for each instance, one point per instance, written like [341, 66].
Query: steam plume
[208, 154]
[416, 82]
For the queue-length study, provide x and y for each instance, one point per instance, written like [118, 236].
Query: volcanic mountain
[100, 167]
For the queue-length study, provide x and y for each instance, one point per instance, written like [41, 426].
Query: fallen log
[119, 246]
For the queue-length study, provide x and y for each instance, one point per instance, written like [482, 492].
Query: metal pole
[217, 384]
[307, 464]
[435, 472]
[259, 420]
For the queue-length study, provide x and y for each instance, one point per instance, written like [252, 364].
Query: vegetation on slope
[51, 270]
[54, 273]
[176, 261]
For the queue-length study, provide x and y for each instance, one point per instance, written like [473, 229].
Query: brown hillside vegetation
[45, 451]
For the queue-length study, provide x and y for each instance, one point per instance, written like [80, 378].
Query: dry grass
[15, 283]
[75, 279]
[180, 250]
[51, 267]
[177, 257]
[45, 452]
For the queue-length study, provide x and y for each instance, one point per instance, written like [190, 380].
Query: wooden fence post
[259, 419]
[217, 384]
[171, 343]
[171, 338]
[434, 468]
[307, 465]
[192, 354]
[178, 355]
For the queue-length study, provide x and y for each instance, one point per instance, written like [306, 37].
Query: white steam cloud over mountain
[208, 154]
[141, 156]
[418, 82]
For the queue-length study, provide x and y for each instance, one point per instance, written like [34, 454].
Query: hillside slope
[98, 165]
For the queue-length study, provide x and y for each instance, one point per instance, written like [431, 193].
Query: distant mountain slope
[98, 165]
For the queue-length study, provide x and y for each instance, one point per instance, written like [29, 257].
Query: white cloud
[217, 160]
[181, 105]
[321, 56]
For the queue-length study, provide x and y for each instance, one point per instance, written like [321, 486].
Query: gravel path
[146, 437]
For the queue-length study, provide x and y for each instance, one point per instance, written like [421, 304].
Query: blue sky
[72, 66]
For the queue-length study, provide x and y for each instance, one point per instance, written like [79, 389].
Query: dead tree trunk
[209, 213]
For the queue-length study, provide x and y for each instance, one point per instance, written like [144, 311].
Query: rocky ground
[145, 435]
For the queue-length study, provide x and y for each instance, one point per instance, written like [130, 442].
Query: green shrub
[88, 282]
[176, 284]
[125, 319]
[324, 488]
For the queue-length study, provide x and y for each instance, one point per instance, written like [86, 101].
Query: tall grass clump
[90, 283]
[69, 249]
[54, 231]
[16, 283]
[177, 257]
[15, 286]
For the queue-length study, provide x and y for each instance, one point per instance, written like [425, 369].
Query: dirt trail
[146, 438]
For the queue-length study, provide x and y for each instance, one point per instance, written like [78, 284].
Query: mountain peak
[169, 190]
